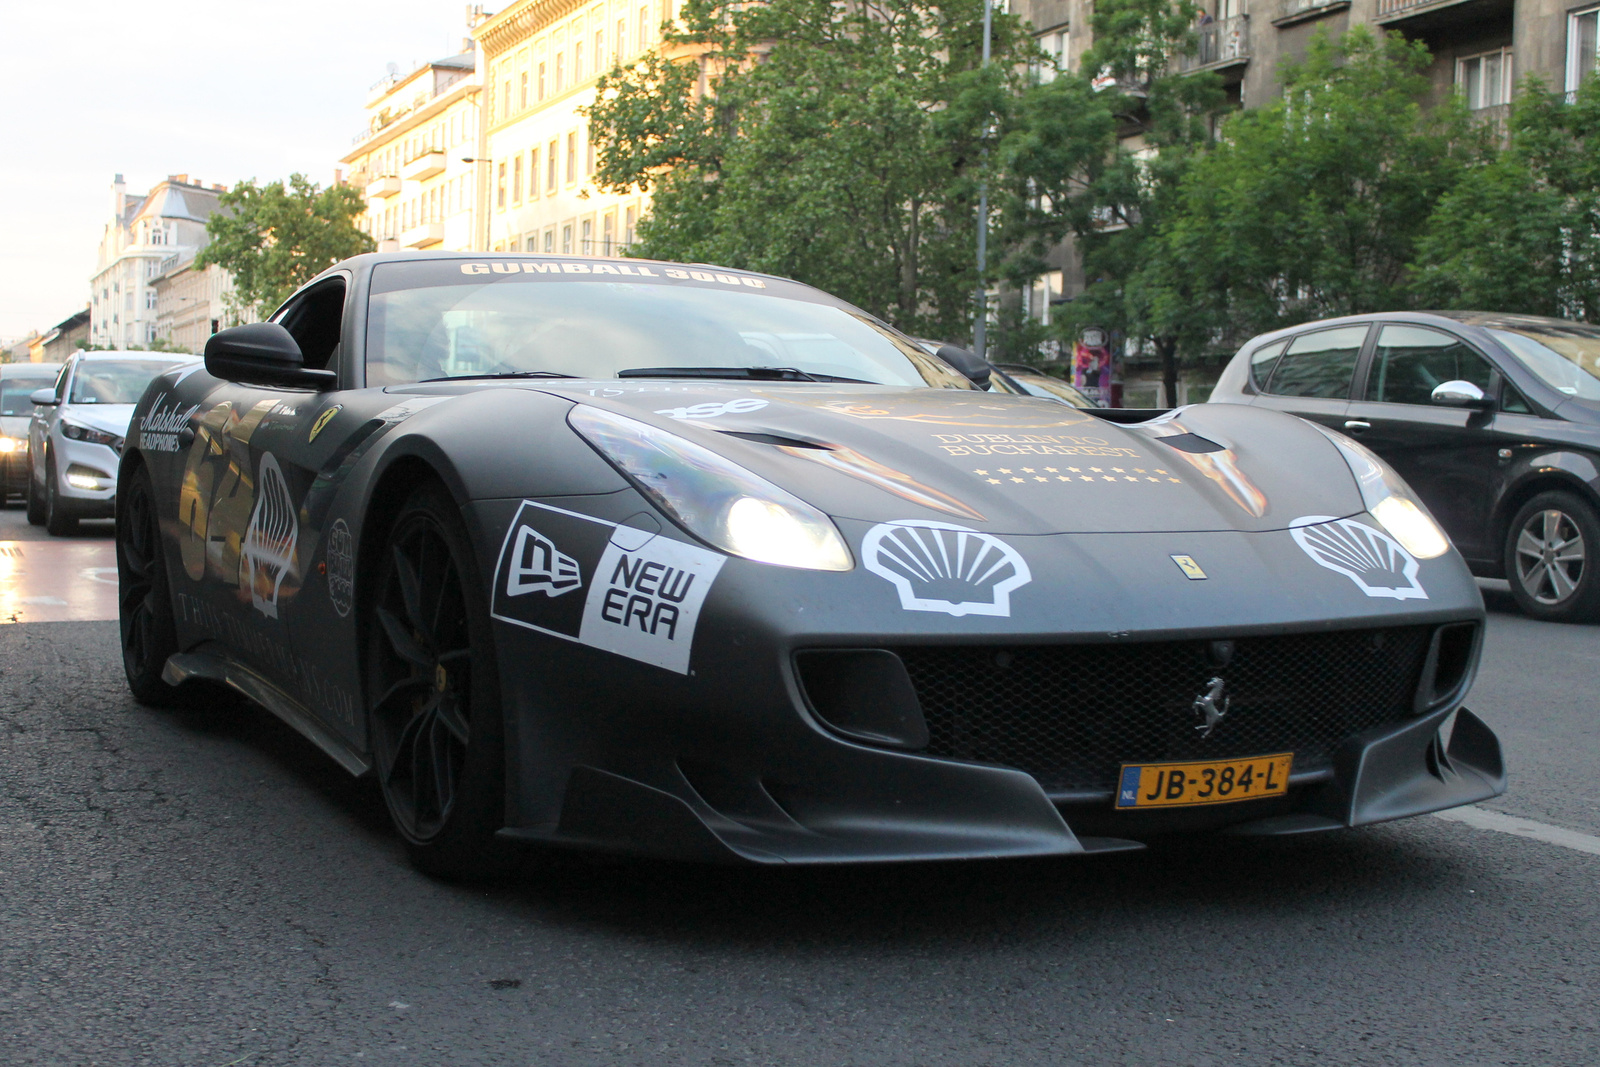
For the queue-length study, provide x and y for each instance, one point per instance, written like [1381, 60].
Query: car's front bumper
[78, 460]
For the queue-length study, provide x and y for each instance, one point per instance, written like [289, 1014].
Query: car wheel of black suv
[1552, 549]
[144, 599]
[35, 501]
[434, 693]
[57, 519]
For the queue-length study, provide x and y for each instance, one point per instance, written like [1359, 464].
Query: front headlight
[79, 432]
[1391, 501]
[12, 444]
[714, 498]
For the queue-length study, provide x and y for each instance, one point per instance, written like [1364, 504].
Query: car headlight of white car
[79, 432]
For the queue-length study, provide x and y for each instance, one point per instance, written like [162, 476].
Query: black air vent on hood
[1191, 442]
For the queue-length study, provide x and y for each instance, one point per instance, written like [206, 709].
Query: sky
[221, 90]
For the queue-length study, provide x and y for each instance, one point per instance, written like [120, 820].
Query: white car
[76, 436]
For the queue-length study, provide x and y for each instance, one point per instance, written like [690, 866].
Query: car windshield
[1049, 388]
[15, 394]
[1566, 357]
[115, 381]
[447, 319]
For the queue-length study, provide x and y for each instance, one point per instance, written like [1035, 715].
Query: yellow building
[417, 159]
[540, 60]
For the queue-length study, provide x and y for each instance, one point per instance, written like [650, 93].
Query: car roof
[1481, 319]
[368, 260]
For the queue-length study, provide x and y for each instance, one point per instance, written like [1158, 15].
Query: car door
[1447, 454]
[39, 425]
[1310, 374]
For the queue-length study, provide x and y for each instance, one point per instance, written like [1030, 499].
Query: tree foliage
[839, 144]
[273, 238]
[1313, 205]
[1522, 232]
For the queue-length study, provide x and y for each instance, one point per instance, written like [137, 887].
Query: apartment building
[417, 159]
[144, 232]
[541, 59]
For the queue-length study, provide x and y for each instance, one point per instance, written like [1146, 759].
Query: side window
[1262, 360]
[1514, 402]
[316, 321]
[1319, 364]
[1412, 360]
[61, 379]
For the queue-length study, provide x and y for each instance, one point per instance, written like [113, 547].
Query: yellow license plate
[1223, 781]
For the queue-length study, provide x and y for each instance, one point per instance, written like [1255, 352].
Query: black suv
[1494, 420]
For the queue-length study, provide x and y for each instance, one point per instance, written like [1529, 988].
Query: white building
[144, 232]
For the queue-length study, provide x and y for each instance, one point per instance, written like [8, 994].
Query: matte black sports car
[1494, 421]
[691, 561]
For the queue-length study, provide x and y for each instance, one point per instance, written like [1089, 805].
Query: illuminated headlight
[714, 498]
[79, 432]
[81, 477]
[1391, 502]
[12, 444]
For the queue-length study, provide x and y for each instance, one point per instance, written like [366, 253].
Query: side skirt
[241, 679]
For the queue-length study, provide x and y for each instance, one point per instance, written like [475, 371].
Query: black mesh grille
[1071, 714]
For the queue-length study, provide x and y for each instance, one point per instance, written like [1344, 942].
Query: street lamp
[980, 340]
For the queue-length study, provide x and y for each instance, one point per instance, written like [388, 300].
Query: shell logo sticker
[938, 566]
[1378, 564]
[323, 420]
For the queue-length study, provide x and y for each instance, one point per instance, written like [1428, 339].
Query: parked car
[1494, 421]
[17, 384]
[1024, 380]
[77, 432]
[670, 559]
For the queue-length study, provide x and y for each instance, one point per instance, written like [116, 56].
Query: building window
[577, 59]
[1485, 80]
[561, 71]
[588, 156]
[529, 243]
[500, 196]
[507, 112]
[533, 174]
[599, 49]
[608, 233]
[588, 237]
[150, 300]
[1581, 40]
[572, 158]
[516, 179]
[629, 220]
[522, 99]
[644, 27]
[566, 240]
[549, 241]
[541, 81]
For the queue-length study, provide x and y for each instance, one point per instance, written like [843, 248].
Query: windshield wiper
[764, 374]
[500, 374]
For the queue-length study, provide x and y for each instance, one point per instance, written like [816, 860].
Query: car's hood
[1008, 464]
[112, 418]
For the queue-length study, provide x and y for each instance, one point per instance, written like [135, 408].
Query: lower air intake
[1070, 715]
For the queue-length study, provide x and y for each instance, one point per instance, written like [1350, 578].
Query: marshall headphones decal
[1372, 559]
[937, 566]
[642, 593]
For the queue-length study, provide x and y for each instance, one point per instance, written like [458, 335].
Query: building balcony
[424, 166]
[1442, 14]
[423, 236]
[384, 187]
[1223, 43]
[1292, 11]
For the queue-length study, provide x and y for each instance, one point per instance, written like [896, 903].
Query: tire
[35, 501]
[58, 521]
[148, 626]
[433, 693]
[1552, 558]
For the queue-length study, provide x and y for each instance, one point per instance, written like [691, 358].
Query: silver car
[76, 436]
[17, 383]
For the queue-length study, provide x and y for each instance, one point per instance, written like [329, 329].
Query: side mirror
[262, 353]
[46, 397]
[1459, 394]
[971, 367]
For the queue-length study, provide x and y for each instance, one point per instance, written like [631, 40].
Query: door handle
[1357, 425]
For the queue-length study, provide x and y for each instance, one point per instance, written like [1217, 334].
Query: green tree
[1313, 205]
[1521, 233]
[273, 238]
[839, 144]
[1098, 156]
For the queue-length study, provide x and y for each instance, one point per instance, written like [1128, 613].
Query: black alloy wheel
[35, 499]
[1550, 558]
[144, 598]
[57, 519]
[434, 711]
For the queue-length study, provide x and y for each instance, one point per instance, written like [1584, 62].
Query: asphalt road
[204, 888]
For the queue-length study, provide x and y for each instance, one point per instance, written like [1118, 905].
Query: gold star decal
[1085, 478]
[1062, 478]
[1106, 478]
[1150, 479]
[996, 481]
[1074, 470]
[1050, 470]
[1129, 478]
[1019, 479]
[980, 472]
[1040, 478]
[1005, 470]
[1027, 470]
[1117, 469]
[1161, 472]
[1172, 479]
